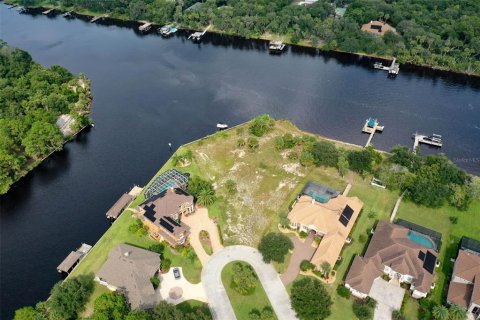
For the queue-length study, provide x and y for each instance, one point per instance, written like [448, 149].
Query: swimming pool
[420, 239]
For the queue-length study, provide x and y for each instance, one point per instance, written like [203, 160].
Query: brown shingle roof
[129, 268]
[467, 265]
[390, 246]
[69, 262]
[460, 293]
[118, 207]
[362, 273]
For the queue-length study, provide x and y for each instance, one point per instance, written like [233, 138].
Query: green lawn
[97, 291]
[243, 305]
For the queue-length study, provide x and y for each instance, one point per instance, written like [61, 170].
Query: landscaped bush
[158, 248]
[397, 315]
[182, 159]
[155, 282]
[363, 309]
[343, 292]
[306, 159]
[136, 227]
[362, 238]
[266, 314]
[302, 234]
[202, 190]
[310, 299]
[244, 279]
[306, 265]
[325, 154]
[261, 125]
[274, 247]
[165, 264]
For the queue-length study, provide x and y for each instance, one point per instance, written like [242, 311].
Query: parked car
[176, 273]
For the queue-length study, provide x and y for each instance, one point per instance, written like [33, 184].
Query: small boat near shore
[222, 126]
[167, 30]
[276, 47]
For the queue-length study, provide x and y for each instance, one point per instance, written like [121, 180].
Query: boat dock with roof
[371, 126]
[72, 260]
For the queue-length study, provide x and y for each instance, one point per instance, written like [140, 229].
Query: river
[149, 91]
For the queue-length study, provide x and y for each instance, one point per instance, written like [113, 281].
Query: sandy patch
[239, 153]
[293, 168]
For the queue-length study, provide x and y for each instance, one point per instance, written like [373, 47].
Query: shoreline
[88, 14]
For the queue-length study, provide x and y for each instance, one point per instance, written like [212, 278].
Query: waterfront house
[162, 214]
[399, 253]
[128, 270]
[464, 288]
[377, 28]
[328, 214]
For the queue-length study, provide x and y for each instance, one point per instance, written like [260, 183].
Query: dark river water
[149, 91]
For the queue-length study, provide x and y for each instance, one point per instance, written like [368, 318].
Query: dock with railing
[434, 140]
[197, 36]
[393, 69]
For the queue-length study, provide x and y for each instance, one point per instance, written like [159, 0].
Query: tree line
[31, 99]
[443, 34]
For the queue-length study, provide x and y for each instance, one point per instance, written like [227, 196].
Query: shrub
[306, 265]
[261, 125]
[202, 190]
[244, 279]
[158, 248]
[325, 154]
[292, 155]
[110, 305]
[343, 292]
[397, 315]
[69, 297]
[274, 247]
[306, 290]
[453, 220]
[240, 142]
[239, 131]
[360, 161]
[135, 226]
[231, 187]
[306, 159]
[303, 234]
[362, 310]
[252, 143]
[155, 282]
[165, 264]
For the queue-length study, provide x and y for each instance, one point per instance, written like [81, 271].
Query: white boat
[167, 30]
[276, 46]
[222, 126]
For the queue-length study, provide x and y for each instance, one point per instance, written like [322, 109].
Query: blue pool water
[420, 239]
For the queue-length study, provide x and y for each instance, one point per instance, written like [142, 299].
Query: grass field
[243, 305]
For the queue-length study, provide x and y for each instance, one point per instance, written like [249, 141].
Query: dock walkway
[197, 36]
[371, 128]
[421, 138]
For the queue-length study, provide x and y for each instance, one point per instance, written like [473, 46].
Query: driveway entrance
[389, 297]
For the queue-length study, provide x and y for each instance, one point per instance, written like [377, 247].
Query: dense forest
[31, 100]
[443, 33]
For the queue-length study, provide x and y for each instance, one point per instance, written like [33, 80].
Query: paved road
[217, 296]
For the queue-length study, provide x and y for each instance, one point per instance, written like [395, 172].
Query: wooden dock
[145, 26]
[47, 12]
[95, 19]
[371, 126]
[393, 69]
[197, 36]
[433, 140]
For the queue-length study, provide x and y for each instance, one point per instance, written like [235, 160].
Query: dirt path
[201, 221]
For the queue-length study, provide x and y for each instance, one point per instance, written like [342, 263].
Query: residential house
[162, 214]
[377, 28]
[402, 254]
[128, 270]
[464, 288]
[328, 214]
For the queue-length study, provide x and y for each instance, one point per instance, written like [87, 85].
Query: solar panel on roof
[429, 263]
[421, 255]
[343, 220]
[347, 212]
[166, 225]
[175, 223]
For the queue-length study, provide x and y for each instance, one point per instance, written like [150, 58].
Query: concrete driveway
[176, 291]
[197, 222]
[217, 296]
[301, 251]
[389, 297]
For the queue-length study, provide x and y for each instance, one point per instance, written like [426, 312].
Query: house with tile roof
[329, 215]
[404, 255]
[128, 270]
[162, 213]
[464, 288]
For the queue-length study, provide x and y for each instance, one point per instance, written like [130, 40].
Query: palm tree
[440, 313]
[325, 267]
[457, 312]
[206, 197]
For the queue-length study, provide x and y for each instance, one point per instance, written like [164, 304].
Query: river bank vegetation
[255, 187]
[32, 98]
[441, 34]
